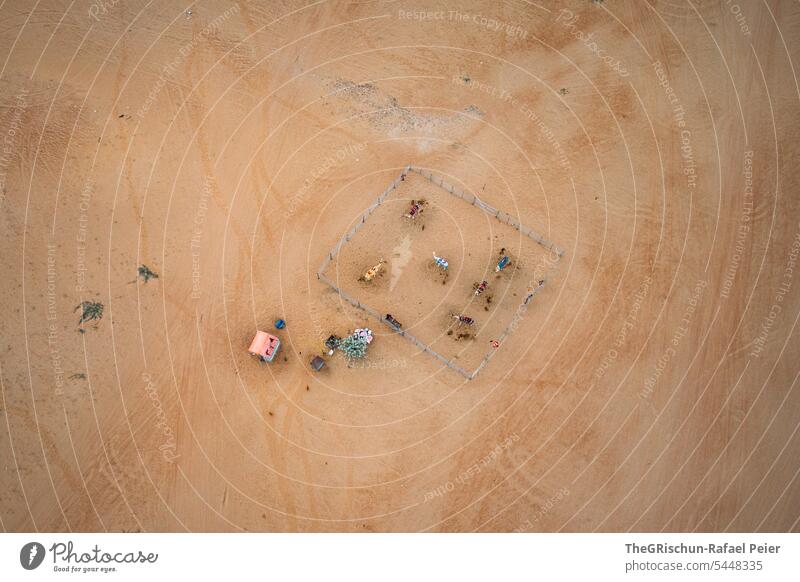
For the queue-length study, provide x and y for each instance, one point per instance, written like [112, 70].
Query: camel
[480, 288]
[373, 272]
[417, 206]
[464, 320]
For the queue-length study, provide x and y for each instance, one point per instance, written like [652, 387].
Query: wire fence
[503, 217]
[475, 201]
[413, 339]
[359, 223]
[509, 328]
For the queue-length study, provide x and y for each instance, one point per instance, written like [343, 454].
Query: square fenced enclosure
[385, 265]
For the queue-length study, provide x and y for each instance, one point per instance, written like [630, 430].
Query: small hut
[264, 346]
[317, 363]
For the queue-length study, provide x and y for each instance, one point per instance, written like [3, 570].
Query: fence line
[508, 329]
[351, 233]
[420, 344]
[475, 201]
[503, 217]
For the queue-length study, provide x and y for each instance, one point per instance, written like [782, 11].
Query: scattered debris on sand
[353, 90]
[332, 343]
[473, 110]
[385, 113]
[354, 346]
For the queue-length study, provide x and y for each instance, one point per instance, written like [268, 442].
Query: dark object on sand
[317, 363]
[146, 274]
[90, 311]
[332, 342]
[392, 321]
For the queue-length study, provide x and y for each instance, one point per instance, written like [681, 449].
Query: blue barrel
[280, 324]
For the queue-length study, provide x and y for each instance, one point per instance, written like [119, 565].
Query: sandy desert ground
[651, 386]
